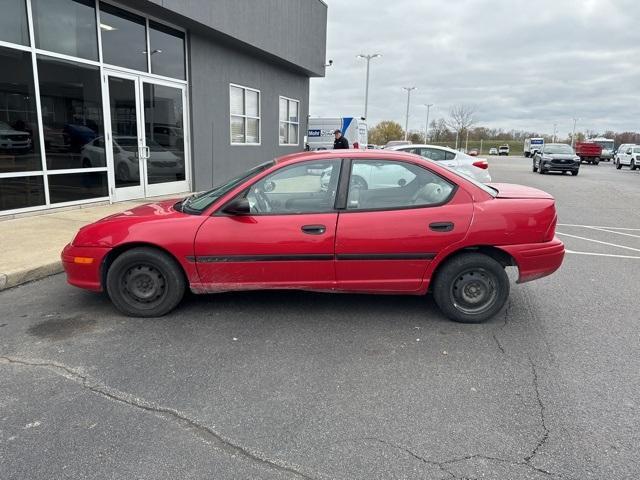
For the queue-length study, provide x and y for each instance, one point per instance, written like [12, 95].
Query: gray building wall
[213, 67]
[271, 45]
[293, 31]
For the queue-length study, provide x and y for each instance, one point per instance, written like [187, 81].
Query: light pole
[406, 120]
[426, 128]
[573, 135]
[555, 132]
[366, 88]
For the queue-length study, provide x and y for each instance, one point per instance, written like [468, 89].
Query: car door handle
[313, 229]
[441, 226]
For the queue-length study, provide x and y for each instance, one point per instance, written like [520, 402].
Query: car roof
[351, 153]
[421, 145]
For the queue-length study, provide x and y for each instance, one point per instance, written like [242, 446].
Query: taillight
[483, 164]
[356, 145]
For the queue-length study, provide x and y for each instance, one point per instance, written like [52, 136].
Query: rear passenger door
[394, 226]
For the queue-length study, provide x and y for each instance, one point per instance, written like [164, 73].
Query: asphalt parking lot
[304, 385]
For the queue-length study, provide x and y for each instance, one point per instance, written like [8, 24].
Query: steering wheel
[262, 200]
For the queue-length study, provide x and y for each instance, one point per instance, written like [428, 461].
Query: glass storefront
[60, 62]
[66, 26]
[124, 38]
[71, 100]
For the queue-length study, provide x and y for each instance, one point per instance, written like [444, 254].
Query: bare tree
[461, 118]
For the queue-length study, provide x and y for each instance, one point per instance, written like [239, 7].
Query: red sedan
[370, 222]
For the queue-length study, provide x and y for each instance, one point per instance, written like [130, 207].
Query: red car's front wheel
[145, 282]
[471, 288]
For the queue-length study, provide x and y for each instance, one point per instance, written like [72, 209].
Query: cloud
[521, 64]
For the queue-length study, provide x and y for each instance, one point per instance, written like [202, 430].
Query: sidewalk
[30, 246]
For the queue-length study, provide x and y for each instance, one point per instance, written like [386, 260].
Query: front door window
[303, 188]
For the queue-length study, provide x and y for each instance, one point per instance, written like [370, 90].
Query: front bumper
[536, 260]
[561, 167]
[83, 266]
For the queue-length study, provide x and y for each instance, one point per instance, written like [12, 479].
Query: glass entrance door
[124, 141]
[145, 141]
[164, 138]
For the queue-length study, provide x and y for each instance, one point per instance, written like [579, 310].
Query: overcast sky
[522, 64]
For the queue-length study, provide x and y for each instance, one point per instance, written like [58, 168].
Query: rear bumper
[536, 260]
[83, 266]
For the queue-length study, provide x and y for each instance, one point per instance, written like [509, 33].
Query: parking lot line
[599, 241]
[593, 254]
[598, 226]
[602, 229]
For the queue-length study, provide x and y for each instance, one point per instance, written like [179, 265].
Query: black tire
[534, 168]
[145, 282]
[541, 170]
[574, 173]
[632, 165]
[526, 154]
[596, 161]
[618, 164]
[466, 276]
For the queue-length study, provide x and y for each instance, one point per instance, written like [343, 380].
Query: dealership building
[111, 101]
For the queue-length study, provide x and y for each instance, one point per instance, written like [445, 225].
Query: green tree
[416, 137]
[385, 131]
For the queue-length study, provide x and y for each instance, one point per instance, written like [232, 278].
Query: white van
[320, 134]
[532, 145]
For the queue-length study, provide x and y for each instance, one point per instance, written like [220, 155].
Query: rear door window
[389, 185]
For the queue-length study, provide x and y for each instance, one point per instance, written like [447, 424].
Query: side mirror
[239, 206]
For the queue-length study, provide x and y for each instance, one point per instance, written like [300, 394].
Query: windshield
[200, 202]
[605, 145]
[559, 149]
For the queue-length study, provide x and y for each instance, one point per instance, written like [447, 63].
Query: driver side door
[287, 239]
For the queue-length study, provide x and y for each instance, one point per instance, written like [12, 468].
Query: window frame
[343, 191]
[287, 122]
[245, 116]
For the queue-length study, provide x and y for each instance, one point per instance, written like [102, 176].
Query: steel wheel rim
[474, 291]
[143, 285]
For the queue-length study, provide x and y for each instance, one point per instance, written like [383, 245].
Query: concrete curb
[18, 277]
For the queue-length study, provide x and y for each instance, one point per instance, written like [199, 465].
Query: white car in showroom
[125, 158]
[475, 167]
[12, 140]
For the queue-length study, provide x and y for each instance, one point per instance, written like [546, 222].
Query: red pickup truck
[589, 152]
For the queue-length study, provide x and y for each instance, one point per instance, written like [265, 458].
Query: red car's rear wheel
[144, 282]
[471, 288]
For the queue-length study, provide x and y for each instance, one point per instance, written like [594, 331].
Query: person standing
[340, 143]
